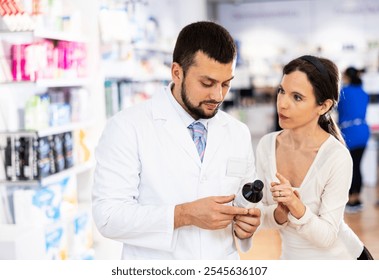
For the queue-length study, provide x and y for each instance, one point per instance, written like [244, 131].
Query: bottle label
[240, 201]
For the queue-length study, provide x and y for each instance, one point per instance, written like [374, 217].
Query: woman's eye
[280, 90]
[226, 85]
[297, 97]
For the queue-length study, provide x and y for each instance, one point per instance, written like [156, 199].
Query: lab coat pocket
[236, 171]
[237, 167]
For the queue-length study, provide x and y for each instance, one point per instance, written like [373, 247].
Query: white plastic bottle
[249, 195]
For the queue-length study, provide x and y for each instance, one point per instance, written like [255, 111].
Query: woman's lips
[283, 117]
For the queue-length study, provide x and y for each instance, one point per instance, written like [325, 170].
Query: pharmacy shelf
[46, 34]
[61, 36]
[132, 72]
[64, 128]
[153, 48]
[62, 82]
[80, 168]
[51, 83]
[50, 130]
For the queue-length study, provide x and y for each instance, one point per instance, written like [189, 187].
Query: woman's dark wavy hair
[206, 36]
[324, 77]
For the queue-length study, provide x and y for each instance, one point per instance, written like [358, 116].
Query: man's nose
[217, 93]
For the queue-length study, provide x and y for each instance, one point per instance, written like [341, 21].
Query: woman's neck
[305, 138]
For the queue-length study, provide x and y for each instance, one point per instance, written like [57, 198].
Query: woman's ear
[176, 72]
[325, 107]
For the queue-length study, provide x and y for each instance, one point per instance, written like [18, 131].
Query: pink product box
[72, 58]
[32, 61]
[18, 62]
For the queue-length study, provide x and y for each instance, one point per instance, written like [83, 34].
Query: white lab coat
[147, 163]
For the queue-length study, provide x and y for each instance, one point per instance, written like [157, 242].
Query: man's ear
[325, 107]
[176, 72]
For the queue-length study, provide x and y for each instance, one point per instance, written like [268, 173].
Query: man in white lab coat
[154, 191]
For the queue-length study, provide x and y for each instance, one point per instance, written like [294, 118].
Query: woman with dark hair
[352, 121]
[307, 167]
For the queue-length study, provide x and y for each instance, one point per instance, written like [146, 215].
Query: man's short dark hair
[206, 36]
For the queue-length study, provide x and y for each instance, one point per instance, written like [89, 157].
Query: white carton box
[22, 242]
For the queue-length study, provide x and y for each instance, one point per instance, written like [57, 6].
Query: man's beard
[196, 111]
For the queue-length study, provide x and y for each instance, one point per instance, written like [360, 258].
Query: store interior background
[128, 54]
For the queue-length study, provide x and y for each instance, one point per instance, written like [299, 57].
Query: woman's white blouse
[321, 233]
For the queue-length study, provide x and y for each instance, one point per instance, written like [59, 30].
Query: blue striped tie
[199, 137]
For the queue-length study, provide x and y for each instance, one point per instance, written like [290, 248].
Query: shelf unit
[78, 169]
[59, 36]
[62, 82]
[64, 128]
[50, 83]
[45, 83]
[73, 80]
[136, 61]
[34, 135]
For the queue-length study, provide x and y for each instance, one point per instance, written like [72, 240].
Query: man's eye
[206, 85]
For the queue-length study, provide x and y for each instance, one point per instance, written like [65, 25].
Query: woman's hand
[288, 200]
[281, 211]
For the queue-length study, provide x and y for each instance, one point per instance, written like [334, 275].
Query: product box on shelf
[12, 161]
[79, 100]
[20, 242]
[57, 107]
[70, 238]
[14, 17]
[68, 143]
[37, 112]
[29, 157]
[37, 206]
[45, 59]
[5, 64]
[56, 145]
[65, 230]
[44, 158]
[56, 241]
[6, 207]
[80, 239]
[69, 189]
[45, 204]
[82, 152]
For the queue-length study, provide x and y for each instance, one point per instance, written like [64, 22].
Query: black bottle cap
[253, 191]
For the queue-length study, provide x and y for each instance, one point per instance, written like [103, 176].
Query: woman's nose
[282, 101]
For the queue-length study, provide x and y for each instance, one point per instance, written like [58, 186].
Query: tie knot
[198, 128]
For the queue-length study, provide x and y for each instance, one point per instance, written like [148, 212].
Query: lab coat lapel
[163, 111]
[216, 137]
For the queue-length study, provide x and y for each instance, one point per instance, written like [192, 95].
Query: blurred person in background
[352, 122]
